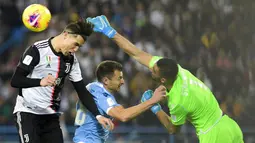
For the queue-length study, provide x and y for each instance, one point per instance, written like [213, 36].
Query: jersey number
[80, 117]
[198, 83]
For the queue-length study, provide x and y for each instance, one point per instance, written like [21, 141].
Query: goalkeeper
[188, 98]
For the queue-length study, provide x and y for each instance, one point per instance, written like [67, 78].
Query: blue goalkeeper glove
[102, 25]
[146, 96]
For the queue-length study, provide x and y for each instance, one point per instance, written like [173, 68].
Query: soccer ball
[36, 17]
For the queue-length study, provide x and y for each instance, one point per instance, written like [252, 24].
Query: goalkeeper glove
[146, 96]
[102, 25]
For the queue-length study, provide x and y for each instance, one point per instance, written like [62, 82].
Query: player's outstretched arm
[122, 114]
[129, 48]
[157, 110]
[125, 114]
[102, 25]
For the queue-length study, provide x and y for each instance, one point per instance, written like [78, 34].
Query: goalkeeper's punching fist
[102, 25]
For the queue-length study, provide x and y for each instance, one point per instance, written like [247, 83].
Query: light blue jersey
[89, 130]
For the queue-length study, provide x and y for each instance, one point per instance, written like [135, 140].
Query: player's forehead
[79, 40]
[76, 38]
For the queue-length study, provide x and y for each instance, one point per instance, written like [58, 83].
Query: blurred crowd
[214, 39]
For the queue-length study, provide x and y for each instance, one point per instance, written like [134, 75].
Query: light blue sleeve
[106, 102]
[104, 99]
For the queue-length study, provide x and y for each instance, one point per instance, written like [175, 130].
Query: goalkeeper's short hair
[168, 68]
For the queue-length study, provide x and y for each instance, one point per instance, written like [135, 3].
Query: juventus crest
[68, 66]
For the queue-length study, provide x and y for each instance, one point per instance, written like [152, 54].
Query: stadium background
[214, 39]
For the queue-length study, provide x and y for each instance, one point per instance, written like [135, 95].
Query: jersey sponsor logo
[27, 60]
[105, 94]
[48, 66]
[48, 60]
[68, 66]
[58, 99]
[110, 101]
[58, 81]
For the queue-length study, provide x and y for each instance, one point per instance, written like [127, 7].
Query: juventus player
[40, 76]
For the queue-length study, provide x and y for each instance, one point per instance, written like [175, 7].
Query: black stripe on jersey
[55, 101]
[34, 55]
[64, 62]
[19, 78]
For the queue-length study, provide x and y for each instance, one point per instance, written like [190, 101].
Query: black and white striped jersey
[40, 60]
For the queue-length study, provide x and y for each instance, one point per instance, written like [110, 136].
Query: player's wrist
[147, 96]
[109, 32]
[41, 82]
[150, 102]
[156, 108]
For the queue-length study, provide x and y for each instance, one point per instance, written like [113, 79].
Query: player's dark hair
[106, 69]
[81, 27]
[168, 68]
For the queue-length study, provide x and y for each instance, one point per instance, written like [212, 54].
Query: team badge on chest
[48, 60]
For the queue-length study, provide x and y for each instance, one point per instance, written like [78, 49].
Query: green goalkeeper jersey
[190, 99]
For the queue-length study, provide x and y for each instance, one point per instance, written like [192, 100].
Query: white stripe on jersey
[20, 127]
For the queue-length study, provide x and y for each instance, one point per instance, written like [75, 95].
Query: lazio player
[110, 79]
[188, 98]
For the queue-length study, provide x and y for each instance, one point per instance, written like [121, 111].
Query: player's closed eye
[76, 44]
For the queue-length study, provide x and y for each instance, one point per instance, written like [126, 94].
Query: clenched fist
[159, 94]
[49, 80]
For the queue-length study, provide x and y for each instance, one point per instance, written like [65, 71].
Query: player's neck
[111, 91]
[55, 45]
[168, 87]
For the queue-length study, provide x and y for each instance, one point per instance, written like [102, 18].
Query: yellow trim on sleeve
[153, 60]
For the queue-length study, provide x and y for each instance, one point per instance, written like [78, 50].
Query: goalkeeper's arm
[129, 48]
[102, 25]
[165, 120]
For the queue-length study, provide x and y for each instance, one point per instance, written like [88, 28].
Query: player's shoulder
[96, 87]
[41, 44]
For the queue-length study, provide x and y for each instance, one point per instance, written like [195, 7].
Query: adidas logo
[48, 66]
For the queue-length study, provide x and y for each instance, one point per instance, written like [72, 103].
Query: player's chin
[66, 53]
[71, 53]
[118, 89]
